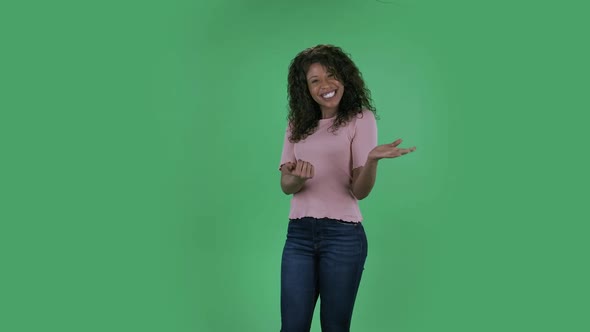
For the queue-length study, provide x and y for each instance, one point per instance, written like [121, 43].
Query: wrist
[372, 161]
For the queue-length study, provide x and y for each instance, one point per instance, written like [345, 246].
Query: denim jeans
[325, 258]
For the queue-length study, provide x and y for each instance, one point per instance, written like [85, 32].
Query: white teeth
[329, 95]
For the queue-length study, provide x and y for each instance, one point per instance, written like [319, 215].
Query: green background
[140, 143]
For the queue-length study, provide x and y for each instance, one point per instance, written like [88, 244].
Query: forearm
[366, 180]
[290, 184]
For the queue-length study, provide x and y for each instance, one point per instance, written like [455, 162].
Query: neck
[326, 114]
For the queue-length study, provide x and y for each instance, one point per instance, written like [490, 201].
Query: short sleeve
[288, 154]
[364, 139]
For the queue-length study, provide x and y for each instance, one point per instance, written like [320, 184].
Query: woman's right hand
[302, 170]
[294, 175]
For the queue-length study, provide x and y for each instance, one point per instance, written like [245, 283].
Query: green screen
[141, 140]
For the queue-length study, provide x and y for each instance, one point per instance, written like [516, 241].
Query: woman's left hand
[389, 151]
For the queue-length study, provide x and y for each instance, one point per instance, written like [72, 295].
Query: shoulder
[366, 116]
[362, 121]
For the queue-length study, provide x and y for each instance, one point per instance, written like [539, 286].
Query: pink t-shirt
[334, 155]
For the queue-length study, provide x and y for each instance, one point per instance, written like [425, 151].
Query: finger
[396, 142]
[286, 167]
[405, 151]
[308, 170]
[304, 169]
[299, 167]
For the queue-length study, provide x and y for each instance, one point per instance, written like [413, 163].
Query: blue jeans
[325, 258]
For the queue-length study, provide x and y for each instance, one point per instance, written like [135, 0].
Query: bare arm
[363, 179]
[290, 184]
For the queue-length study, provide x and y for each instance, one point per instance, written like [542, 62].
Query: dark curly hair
[304, 112]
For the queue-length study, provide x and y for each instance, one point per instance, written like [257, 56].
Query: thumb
[396, 142]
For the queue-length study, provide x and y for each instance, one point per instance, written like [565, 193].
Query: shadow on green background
[140, 146]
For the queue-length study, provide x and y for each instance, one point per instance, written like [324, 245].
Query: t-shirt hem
[335, 217]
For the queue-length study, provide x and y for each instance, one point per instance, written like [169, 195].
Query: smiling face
[324, 88]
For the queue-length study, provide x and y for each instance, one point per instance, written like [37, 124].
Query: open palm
[390, 150]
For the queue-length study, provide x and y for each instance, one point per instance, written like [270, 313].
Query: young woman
[328, 163]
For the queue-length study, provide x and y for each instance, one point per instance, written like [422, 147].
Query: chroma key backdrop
[140, 144]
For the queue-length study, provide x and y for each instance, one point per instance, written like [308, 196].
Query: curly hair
[304, 112]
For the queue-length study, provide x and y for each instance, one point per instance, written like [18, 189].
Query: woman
[328, 163]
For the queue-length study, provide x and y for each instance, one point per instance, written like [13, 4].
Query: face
[324, 88]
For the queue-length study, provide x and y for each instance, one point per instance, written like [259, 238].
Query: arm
[364, 166]
[290, 184]
[363, 179]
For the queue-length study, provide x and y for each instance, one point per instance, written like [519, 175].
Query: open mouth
[329, 95]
